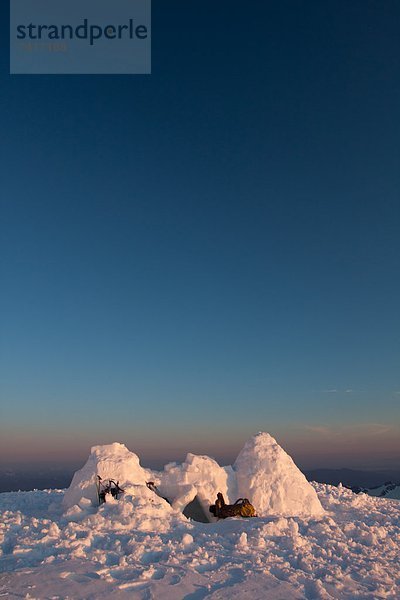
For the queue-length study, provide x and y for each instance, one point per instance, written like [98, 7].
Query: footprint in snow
[204, 568]
[80, 577]
[151, 557]
[125, 574]
[159, 574]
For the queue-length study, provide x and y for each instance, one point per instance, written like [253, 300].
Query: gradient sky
[193, 256]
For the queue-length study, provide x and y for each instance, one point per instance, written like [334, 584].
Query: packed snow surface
[141, 547]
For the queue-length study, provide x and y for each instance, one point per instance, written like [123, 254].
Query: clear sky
[193, 256]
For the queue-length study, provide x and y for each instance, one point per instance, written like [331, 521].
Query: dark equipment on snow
[241, 508]
[109, 486]
[152, 486]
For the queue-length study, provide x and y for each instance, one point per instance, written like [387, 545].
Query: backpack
[246, 508]
[241, 508]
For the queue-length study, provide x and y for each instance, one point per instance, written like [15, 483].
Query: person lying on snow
[241, 508]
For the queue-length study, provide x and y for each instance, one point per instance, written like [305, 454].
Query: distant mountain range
[353, 478]
[40, 478]
[387, 490]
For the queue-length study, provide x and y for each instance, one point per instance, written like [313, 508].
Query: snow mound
[269, 478]
[199, 476]
[263, 473]
[111, 461]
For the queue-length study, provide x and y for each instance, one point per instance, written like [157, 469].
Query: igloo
[263, 472]
[269, 478]
[193, 485]
[110, 461]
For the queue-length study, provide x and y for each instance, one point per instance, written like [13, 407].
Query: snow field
[310, 541]
[140, 547]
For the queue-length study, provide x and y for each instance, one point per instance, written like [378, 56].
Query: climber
[241, 508]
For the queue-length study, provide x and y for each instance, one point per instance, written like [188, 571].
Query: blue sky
[192, 256]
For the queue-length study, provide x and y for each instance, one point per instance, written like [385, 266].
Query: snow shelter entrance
[195, 511]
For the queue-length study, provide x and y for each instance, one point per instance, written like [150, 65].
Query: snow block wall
[199, 476]
[111, 461]
[263, 473]
[269, 478]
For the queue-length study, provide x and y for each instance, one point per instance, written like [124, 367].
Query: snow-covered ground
[136, 548]
[141, 547]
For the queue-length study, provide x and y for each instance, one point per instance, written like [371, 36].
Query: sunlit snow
[320, 542]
